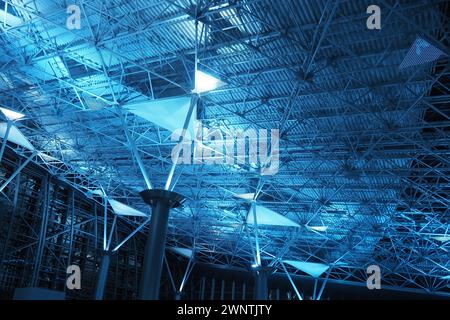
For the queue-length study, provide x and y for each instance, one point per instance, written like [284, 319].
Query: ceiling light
[246, 196]
[443, 238]
[168, 113]
[265, 216]
[11, 115]
[318, 228]
[314, 269]
[182, 251]
[205, 82]
[15, 136]
[7, 18]
[124, 210]
[98, 192]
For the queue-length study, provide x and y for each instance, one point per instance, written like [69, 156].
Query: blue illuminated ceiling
[364, 149]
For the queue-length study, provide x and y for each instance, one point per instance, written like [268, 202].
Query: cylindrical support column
[154, 251]
[261, 285]
[102, 276]
[161, 201]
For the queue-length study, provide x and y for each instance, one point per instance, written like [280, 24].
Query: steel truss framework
[364, 146]
[48, 226]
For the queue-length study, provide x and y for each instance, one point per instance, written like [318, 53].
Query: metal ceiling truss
[364, 146]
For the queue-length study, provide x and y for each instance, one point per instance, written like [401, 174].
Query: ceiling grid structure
[363, 178]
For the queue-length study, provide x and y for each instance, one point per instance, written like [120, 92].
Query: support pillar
[161, 201]
[261, 280]
[102, 276]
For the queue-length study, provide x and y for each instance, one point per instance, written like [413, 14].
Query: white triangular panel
[266, 216]
[11, 115]
[15, 136]
[98, 192]
[421, 52]
[46, 157]
[124, 210]
[8, 19]
[246, 196]
[312, 268]
[205, 82]
[318, 228]
[443, 238]
[182, 251]
[167, 113]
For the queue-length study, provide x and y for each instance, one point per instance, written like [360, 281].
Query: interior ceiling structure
[364, 144]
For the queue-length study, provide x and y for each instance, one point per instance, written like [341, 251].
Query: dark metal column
[261, 293]
[102, 276]
[161, 201]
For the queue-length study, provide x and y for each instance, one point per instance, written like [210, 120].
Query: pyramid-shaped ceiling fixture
[182, 251]
[205, 82]
[421, 52]
[245, 196]
[312, 268]
[266, 216]
[11, 115]
[167, 113]
[124, 210]
[15, 136]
